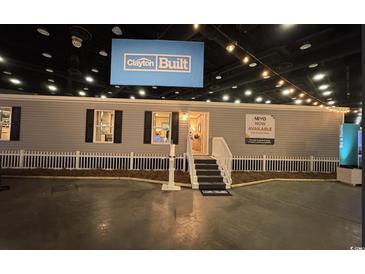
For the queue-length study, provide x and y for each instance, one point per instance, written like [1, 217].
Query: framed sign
[157, 63]
[260, 129]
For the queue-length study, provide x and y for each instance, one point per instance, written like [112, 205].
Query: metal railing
[88, 160]
[223, 155]
[139, 161]
[285, 163]
[192, 171]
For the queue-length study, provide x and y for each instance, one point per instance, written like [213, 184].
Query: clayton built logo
[157, 62]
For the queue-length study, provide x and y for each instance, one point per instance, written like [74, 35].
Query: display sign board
[260, 129]
[348, 150]
[157, 63]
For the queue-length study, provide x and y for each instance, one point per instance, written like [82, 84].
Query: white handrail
[223, 155]
[192, 172]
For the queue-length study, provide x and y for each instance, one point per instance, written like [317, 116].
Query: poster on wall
[157, 63]
[260, 129]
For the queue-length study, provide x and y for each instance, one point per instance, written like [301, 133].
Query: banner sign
[157, 63]
[260, 129]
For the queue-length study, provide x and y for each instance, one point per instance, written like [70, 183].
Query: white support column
[264, 163]
[311, 163]
[184, 162]
[77, 159]
[131, 161]
[21, 159]
[170, 186]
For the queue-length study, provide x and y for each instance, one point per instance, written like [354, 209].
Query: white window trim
[11, 113]
[170, 124]
[94, 127]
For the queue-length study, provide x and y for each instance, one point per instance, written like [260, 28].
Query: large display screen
[359, 149]
[157, 63]
[348, 145]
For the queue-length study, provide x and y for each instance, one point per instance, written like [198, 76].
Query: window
[5, 123]
[104, 126]
[161, 128]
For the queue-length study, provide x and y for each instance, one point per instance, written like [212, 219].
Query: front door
[199, 132]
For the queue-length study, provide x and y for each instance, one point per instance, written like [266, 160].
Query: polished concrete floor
[96, 214]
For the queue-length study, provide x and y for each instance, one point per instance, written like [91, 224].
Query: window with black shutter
[118, 120]
[89, 134]
[147, 127]
[175, 128]
[15, 124]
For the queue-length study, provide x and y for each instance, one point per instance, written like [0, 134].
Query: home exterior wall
[58, 124]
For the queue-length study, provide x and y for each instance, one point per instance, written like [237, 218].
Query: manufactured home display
[68, 124]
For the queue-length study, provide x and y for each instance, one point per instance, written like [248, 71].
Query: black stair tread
[205, 161]
[206, 165]
[211, 176]
[212, 187]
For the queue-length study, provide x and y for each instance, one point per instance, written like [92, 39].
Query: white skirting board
[351, 176]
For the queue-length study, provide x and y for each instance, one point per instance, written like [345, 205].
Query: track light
[318, 76]
[258, 99]
[76, 41]
[15, 81]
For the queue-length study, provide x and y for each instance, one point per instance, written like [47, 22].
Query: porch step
[206, 166]
[212, 186]
[208, 172]
[210, 179]
[205, 161]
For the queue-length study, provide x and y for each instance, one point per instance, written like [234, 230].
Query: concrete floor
[93, 214]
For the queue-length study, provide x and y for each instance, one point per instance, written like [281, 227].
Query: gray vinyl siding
[60, 126]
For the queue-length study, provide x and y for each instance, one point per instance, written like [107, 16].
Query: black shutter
[15, 124]
[118, 126]
[175, 128]
[89, 134]
[147, 127]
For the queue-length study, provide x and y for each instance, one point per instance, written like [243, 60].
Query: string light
[196, 26]
[230, 47]
[265, 74]
[246, 59]
[253, 61]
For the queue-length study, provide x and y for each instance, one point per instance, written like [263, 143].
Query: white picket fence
[88, 160]
[134, 161]
[285, 163]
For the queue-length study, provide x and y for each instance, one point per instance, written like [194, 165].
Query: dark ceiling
[335, 48]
